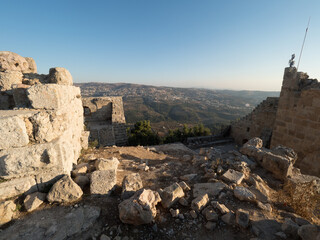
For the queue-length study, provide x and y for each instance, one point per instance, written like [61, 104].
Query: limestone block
[6, 211]
[130, 184]
[33, 201]
[52, 96]
[32, 64]
[107, 164]
[82, 180]
[212, 189]
[140, 208]
[17, 186]
[12, 61]
[233, 176]
[17, 162]
[244, 194]
[60, 76]
[171, 195]
[64, 190]
[9, 78]
[13, 133]
[199, 202]
[103, 182]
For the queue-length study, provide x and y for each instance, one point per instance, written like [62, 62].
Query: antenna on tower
[304, 39]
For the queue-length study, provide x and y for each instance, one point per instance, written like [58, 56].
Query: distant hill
[169, 107]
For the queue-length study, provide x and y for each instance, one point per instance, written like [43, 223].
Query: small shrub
[93, 144]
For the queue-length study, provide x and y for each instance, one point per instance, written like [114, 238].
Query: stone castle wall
[41, 125]
[298, 119]
[259, 123]
[104, 118]
[293, 120]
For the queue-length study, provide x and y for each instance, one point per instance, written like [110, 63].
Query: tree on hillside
[142, 134]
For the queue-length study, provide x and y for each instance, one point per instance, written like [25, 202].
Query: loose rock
[244, 194]
[103, 182]
[34, 200]
[130, 184]
[64, 190]
[140, 208]
[7, 209]
[171, 195]
[200, 202]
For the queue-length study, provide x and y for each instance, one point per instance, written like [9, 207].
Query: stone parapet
[41, 126]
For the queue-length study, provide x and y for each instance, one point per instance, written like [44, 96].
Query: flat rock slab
[103, 182]
[233, 176]
[212, 189]
[54, 223]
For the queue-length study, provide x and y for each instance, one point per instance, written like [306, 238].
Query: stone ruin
[41, 125]
[292, 120]
[104, 118]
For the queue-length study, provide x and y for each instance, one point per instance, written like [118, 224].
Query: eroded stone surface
[34, 200]
[53, 223]
[7, 209]
[140, 208]
[131, 183]
[64, 190]
[102, 182]
[171, 195]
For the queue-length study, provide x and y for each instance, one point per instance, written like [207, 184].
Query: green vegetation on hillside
[142, 134]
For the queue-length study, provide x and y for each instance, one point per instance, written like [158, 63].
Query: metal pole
[304, 39]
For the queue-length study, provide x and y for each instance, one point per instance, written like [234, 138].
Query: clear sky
[240, 44]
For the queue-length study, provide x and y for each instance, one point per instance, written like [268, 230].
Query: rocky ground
[209, 193]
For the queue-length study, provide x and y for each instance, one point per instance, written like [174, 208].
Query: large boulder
[130, 184]
[7, 209]
[60, 76]
[102, 182]
[64, 190]
[140, 208]
[13, 62]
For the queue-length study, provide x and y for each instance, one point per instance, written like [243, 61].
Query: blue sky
[240, 44]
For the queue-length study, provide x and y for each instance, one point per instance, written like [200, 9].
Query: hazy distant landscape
[169, 107]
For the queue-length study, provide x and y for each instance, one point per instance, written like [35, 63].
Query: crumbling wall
[104, 118]
[41, 125]
[258, 123]
[298, 119]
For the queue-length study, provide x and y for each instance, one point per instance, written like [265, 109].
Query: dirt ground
[166, 165]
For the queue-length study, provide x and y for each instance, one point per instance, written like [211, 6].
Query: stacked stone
[297, 122]
[104, 118]
[41, 125]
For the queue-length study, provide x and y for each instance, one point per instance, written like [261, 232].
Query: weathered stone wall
[104, 118]
[298, 119]
[259, 123]
[41, 125]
